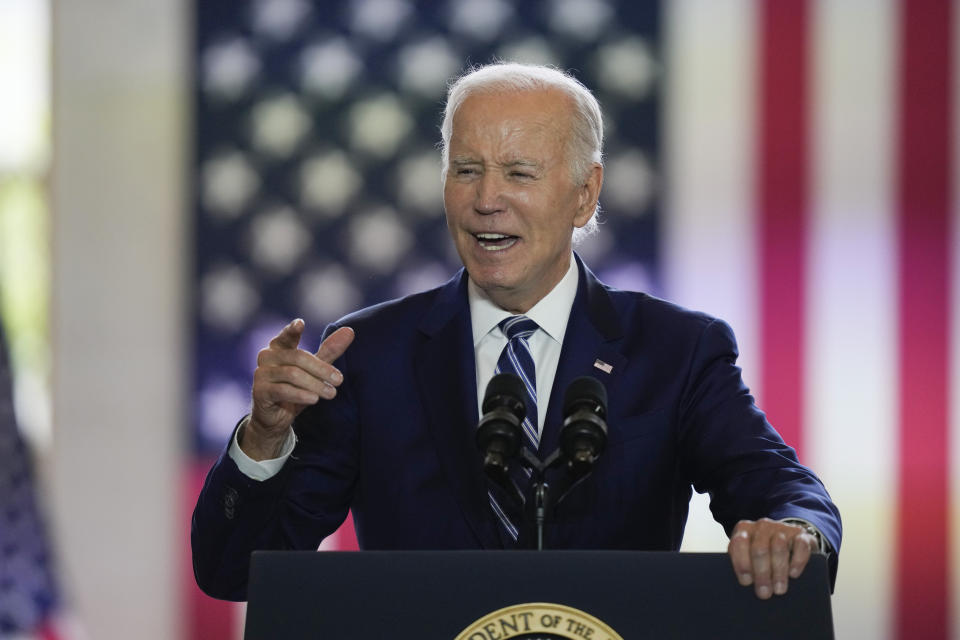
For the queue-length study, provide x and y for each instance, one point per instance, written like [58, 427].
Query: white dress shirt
[551, 315]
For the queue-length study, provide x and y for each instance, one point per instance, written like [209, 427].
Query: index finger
[335, 344]
[289, 336]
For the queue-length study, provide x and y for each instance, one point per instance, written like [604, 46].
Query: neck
[520, 302]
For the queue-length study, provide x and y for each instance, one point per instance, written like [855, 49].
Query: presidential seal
[538, 621]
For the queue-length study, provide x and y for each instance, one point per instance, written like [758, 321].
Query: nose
[489, 197]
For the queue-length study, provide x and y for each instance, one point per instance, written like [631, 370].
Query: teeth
[499, 247]
[495, 241]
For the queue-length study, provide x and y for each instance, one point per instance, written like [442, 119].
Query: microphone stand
[536, 510]
[540, 502]
[542, 491]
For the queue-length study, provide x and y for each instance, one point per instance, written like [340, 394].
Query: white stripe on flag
[709, 255]
[851, 406]
[709, 236]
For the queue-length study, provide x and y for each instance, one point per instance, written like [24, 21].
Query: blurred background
[178, 180]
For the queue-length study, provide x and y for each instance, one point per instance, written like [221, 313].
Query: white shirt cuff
[262, 469]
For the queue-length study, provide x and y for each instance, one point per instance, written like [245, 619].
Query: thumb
[335, 344]
[289, 336]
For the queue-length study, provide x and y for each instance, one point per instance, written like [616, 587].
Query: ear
[589, 194]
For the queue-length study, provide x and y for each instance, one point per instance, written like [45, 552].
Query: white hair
[585, 142]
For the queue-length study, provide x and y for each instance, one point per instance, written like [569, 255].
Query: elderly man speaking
[381, 418]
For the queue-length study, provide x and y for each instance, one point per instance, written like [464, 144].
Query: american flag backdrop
[788, 165]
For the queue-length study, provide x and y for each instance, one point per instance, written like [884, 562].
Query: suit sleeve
[295, 509]
[732, 452]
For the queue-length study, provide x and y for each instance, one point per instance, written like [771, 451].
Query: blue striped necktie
[517, 359]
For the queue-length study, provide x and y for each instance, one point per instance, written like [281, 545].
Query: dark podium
[460, 594]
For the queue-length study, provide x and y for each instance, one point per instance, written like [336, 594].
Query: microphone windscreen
[504, 384]
[585, 390]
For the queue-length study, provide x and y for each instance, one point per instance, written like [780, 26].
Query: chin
[489, 278]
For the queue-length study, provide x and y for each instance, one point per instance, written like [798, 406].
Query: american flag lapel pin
[603, 366]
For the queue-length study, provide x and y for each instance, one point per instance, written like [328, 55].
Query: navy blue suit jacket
[397, 444]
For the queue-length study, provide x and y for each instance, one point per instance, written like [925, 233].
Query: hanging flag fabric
[29, 597]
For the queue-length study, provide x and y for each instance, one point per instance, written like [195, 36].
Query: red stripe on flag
[48, 632]
[782, 216]
[343, 539]
[923, 209]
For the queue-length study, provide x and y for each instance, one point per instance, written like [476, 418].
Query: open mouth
[495, 241]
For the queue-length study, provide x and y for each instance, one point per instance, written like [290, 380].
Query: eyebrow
[523, 162]
[518, 162]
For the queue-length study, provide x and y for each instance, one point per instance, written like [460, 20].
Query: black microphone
[499, 433]
[583, 436]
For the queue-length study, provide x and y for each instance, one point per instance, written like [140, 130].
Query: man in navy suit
[381, 418]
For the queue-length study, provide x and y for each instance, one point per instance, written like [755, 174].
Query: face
[509, 196]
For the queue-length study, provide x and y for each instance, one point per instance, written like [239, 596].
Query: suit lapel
[592, 338]
[446, 379]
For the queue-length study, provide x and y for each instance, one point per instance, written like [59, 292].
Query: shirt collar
[551, 313]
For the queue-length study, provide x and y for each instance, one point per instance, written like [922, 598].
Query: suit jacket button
[230, 500]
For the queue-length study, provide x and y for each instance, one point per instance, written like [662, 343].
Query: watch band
[822, 545]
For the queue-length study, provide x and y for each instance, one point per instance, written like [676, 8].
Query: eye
[465, 171]
[521, 174]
